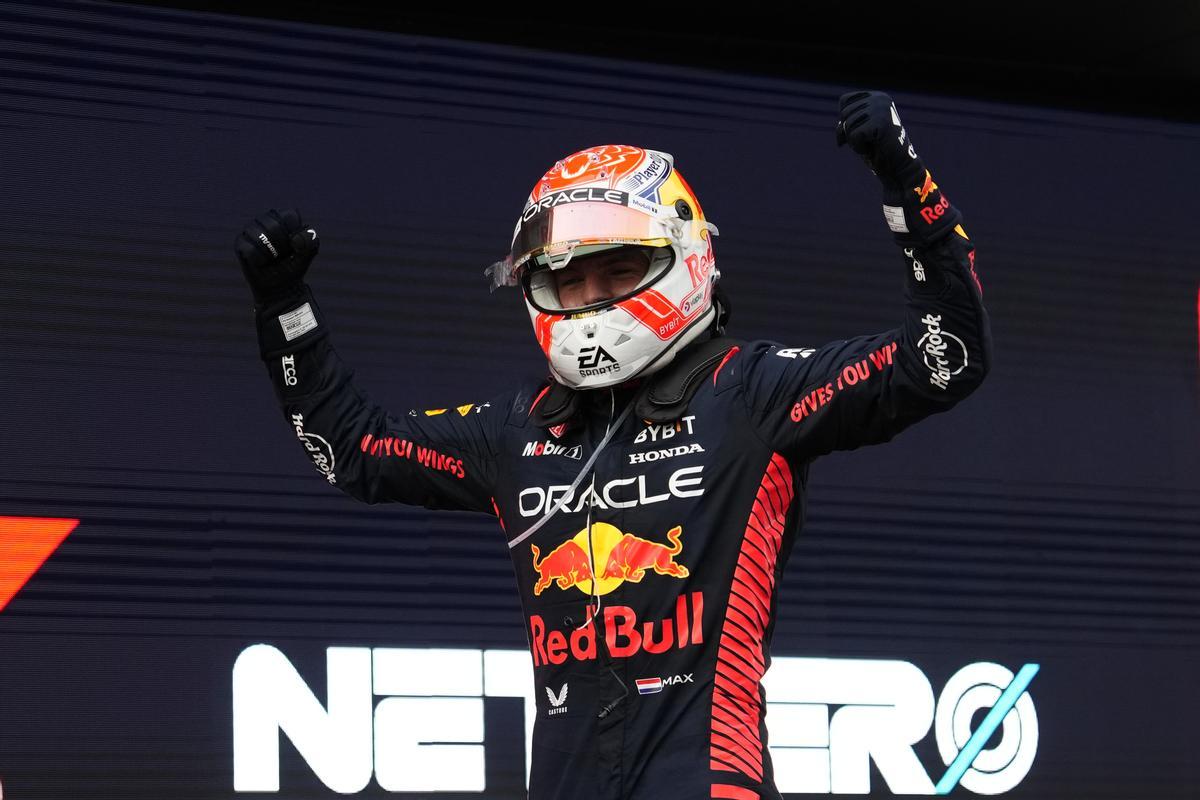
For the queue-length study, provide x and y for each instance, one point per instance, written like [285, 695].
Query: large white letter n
[270, 696]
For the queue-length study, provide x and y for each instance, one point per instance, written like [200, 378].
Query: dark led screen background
[1052, 518]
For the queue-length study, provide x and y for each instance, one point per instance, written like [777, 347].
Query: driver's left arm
[804, 402]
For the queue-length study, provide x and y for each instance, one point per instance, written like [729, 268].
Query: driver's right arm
[437, 460]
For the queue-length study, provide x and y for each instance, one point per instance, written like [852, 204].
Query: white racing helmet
[600, 199]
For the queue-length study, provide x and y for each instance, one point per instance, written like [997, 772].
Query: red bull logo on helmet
[622, 556]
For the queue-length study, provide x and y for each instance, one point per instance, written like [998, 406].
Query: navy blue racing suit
[656, 691]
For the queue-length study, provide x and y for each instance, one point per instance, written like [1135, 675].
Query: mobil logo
[549, 448]
[621, 557]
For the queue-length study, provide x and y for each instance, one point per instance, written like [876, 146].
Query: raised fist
[275, 251]
[870, 124]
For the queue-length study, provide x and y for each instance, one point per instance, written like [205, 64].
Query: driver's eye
[625, 267]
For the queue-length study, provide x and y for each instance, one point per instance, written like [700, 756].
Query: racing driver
[651, 487]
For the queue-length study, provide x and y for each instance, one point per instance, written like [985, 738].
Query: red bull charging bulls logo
[925, 188]
[624, 557]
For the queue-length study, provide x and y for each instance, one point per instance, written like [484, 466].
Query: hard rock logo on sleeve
[319, 449]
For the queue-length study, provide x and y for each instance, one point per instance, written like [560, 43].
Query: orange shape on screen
[25, 544]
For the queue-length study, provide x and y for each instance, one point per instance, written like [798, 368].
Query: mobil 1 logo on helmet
[830, 719]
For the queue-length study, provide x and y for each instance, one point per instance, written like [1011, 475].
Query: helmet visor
[593, 277]
[564, 220]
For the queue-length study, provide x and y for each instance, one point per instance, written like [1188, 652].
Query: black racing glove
[914, 207]
[275, 251]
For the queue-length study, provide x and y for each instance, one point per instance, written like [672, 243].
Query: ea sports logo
[596, 361]
[591, 357]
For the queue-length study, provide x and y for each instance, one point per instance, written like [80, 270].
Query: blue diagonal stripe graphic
[1008, 699]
